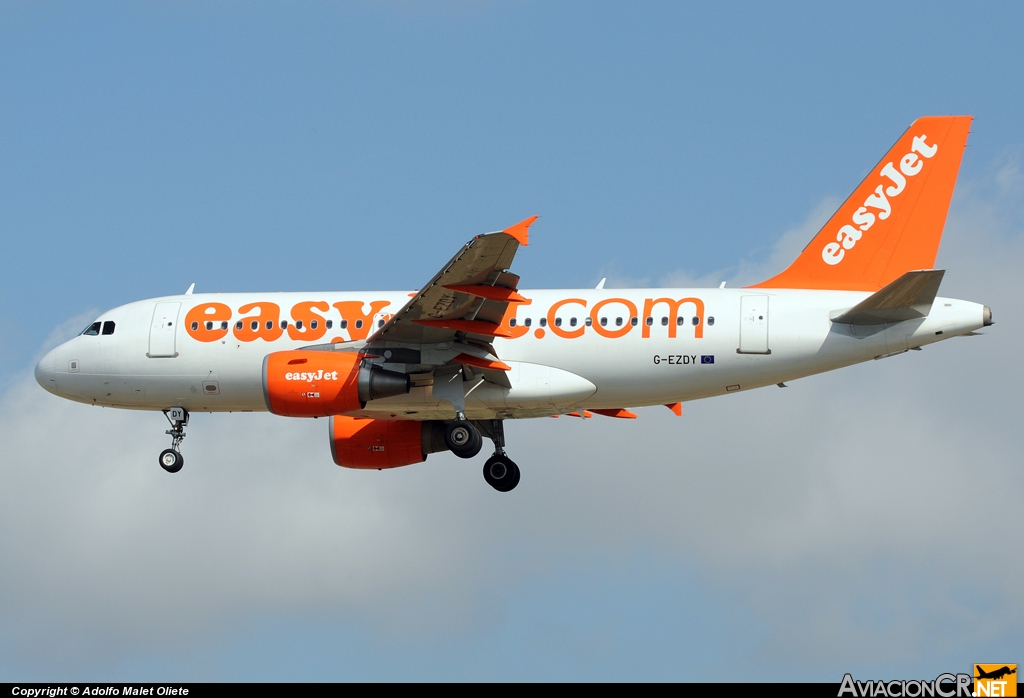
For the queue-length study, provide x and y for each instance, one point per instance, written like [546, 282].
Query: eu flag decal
[707, 358]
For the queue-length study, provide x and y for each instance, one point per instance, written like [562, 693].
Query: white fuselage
[744, 338]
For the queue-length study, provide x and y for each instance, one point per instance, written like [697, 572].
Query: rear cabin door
[754, 325]
[163, 329]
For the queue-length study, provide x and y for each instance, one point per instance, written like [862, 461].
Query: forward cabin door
[162, 330]
[754, 325]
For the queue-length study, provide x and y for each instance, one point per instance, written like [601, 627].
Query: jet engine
[381, 443]
[306, 383]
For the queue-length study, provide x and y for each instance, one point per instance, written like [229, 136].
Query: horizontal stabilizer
[906, 298]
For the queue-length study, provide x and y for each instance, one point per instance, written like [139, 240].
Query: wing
[467, 299]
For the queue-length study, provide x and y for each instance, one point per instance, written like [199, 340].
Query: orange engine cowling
[381, 443]
[309, 383]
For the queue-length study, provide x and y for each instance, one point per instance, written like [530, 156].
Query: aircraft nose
[46, 372]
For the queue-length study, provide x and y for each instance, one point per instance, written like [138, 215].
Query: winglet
[521, 230]
[676, 407]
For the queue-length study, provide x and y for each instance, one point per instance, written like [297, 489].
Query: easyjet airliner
[401, 375]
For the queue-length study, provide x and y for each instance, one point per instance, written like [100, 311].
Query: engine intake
[307, 383]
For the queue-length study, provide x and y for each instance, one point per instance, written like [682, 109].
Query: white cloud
[890, 486]
[752, 271]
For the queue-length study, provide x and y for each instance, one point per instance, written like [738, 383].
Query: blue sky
[356, 146]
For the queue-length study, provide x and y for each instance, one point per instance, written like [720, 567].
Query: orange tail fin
[892, 223]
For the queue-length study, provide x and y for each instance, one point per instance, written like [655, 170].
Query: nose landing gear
[171, 459]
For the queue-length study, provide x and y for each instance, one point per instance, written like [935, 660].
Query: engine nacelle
[306, 383]
[381, 443]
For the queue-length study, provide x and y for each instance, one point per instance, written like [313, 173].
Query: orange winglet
[617, 413]
[474, 326]
[521, 230]
[676, 407]
[492, 293]
[585, 415]
[471, 360]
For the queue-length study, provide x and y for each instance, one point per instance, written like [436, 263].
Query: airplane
[994, 674]
[400, 375]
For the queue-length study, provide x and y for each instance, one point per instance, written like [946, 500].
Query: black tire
[515, 479]
[501, 473]
[171, 460]
[463, 439]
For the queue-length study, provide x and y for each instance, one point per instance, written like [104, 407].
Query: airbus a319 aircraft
[401, 375]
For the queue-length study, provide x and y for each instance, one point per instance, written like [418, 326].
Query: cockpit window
[108, 327]
[92, 330]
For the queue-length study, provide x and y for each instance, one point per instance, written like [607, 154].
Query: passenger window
[209, 324]
[254, 325]
[298, 324]
[224, 325]
[679, 320]
[92, 330]
[633, 321]
[664, 321]
[359, 324]
[558, 322]
[711, 320]
[195, 326]
[604, 321]
[512, 322]
[696, 320]
[543, 322]
[238, 325]
[527, 321]
[284, 324]
[108, 327]
[649, 321]
[572, 322]
[270, 324]
[380, 323]
[313, 324]
[344, 324]
[618, 322]
[330, 324]
[589, 322]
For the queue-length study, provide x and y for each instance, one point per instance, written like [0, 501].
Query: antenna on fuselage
[190, 288]
[600, 284]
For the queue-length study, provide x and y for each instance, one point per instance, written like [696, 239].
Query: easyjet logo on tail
[878, 205]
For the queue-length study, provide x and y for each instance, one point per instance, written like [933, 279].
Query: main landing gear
[464, 439]
[171, 459]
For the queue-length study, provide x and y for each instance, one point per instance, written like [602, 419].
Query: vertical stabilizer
[892, 223]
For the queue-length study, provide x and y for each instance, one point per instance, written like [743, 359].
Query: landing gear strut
[171, 459]
[500, 471]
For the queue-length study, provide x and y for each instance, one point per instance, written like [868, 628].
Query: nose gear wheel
[171, 460]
